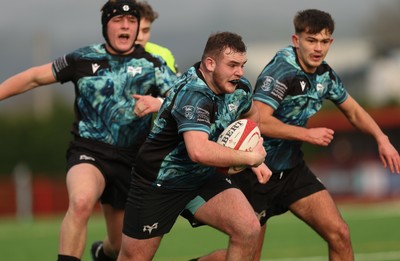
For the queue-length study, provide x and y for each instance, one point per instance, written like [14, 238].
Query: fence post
[23, 189]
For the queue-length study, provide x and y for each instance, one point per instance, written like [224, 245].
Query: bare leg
[220, 255]
[230, 212]
[319, 211]
[85, 184]
[133, 249]
[114, 221]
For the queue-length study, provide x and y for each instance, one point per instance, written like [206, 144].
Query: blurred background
[35, 126]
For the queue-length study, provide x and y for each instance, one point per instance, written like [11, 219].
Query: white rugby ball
[242, 135]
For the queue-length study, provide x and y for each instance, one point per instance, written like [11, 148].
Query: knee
[80, 207]
[340, 235]
[249, 231]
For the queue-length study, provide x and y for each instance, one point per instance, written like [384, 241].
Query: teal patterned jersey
[163, 160]
[104, 85]
[295, 96]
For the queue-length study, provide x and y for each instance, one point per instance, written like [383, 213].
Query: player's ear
[295, 40]
[210, 64]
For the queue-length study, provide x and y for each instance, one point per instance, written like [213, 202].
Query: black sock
[102, 256]
[67, 258]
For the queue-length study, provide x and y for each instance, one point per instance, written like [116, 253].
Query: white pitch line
[380, 256]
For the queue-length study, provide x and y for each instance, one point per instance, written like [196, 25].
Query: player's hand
[263, 173]
[389, 155]
[259, 153]
[319, 136]
[146, 104]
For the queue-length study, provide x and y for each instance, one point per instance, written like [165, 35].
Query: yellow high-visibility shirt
[165, 53]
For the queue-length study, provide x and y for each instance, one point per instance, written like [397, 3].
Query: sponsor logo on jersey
[203, 115]
[303, 85]
[95, 67]
[134, 70]
[149, 228]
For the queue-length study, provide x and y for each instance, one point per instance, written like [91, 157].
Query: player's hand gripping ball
[240, 135]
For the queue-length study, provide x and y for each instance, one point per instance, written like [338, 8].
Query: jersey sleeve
[337, 93]
[272, 84]
[193, 111]
[63, 68]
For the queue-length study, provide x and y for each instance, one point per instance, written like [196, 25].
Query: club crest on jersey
[150, 228]
[320, 89]
[134, 70]
[233, 106]
[188, 111]
[268, 84]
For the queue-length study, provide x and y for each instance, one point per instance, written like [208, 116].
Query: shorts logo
[85, 157]
[261, 214]
[150, 228]
[228, 180]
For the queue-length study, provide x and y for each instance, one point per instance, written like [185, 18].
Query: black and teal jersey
[295, 96]
[104, 85]
[191, 105]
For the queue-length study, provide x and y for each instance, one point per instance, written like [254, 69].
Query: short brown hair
[146, 11]
[218, 42]
[313, 21]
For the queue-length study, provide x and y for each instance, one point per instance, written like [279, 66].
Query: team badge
[188, 111]
[320, 89]
[268, 84]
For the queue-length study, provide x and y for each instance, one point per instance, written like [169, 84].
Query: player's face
[312, 48]
[228, 70]
[122, 31]
[144, 32]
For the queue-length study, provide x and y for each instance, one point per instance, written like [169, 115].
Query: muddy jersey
[295, 96]
[163, 160]
[104, 85]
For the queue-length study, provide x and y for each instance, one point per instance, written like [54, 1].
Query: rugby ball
[240, 135]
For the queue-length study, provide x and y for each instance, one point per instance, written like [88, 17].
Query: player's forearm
[14, 85]
[27, 80]
[274, 128]
[361, 120]
[212, 154]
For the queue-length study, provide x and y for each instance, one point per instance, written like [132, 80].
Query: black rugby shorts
[283, 189]
[114, 163]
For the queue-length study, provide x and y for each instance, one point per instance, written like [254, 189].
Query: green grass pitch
[374, 229]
